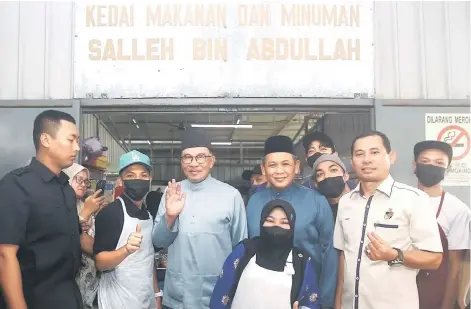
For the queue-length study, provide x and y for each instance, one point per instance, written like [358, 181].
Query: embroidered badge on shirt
[313, 297]
[388, 214]
[236, 262]
[225, 300]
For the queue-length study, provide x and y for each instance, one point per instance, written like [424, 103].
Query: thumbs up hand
[134, 240]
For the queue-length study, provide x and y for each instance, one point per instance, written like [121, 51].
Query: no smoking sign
[458, 138]
[455, 130]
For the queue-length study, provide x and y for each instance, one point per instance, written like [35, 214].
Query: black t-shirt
[335, 208]
[38, 213]
[109, 223]
[152, 203]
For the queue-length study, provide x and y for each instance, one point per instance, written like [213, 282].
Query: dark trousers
[165, 307]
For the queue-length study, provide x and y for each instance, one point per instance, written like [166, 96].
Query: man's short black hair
[384, 138]
[49, 122]
[323, 139]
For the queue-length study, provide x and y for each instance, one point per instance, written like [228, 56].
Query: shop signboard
[202, 48]
[454, 129]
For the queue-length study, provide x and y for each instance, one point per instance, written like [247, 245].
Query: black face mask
[136, 189]
[276, 236]
[274, 247]
[275, 243]
[429, 175]
[331, 187]
[313, 158]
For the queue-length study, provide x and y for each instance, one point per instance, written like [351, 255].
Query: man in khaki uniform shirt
[385, 231]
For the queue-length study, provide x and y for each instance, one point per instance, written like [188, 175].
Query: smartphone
[101, 185]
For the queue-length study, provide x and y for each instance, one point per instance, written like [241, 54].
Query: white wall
[422, 50]
[241, 69]
[36, 58]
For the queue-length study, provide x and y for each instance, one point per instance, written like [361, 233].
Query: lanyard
[441, 204]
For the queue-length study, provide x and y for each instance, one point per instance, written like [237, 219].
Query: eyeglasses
[200, 159]
[80, 181]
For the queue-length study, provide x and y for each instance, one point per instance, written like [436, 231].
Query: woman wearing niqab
[268, 271]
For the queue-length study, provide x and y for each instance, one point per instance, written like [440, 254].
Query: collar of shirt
[385, 187]
[131, 207]
[198, 186]
[46, 174]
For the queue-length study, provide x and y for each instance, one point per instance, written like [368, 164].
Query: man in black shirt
[123, 237]
[39, 226]
[152, 202]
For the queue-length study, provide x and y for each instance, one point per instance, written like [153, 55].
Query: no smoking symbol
[458, 138]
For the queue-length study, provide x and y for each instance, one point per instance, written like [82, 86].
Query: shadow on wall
[16, 134]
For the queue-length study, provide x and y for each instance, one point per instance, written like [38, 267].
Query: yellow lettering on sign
[254, 15]
[210, 49]
[134, 49]
[109, 16]
[320, 15]
[302, 49]
[186, 15]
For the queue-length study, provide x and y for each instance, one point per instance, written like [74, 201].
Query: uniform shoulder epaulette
[20, 171]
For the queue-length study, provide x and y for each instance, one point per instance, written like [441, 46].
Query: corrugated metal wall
[91, 126]
[422, 49]
[36, 58]
[343, 128]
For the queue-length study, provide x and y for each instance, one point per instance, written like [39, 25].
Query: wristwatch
[159, 294]
[399, 260]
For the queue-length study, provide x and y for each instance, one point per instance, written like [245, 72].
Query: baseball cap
[317, 136]
[432, 144]
[329, 157]
[257, 170]
[134, 157]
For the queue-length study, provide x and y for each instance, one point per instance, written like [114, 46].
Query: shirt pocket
[48, 217]
[174, 286]
[350, 228]
[390, 232]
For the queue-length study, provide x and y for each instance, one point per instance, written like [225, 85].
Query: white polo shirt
[454, 218]
[403, 217]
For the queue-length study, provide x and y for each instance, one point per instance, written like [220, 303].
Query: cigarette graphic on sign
[458, 138]
[454, 142]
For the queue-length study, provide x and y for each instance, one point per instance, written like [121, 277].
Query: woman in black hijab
[268, 271]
